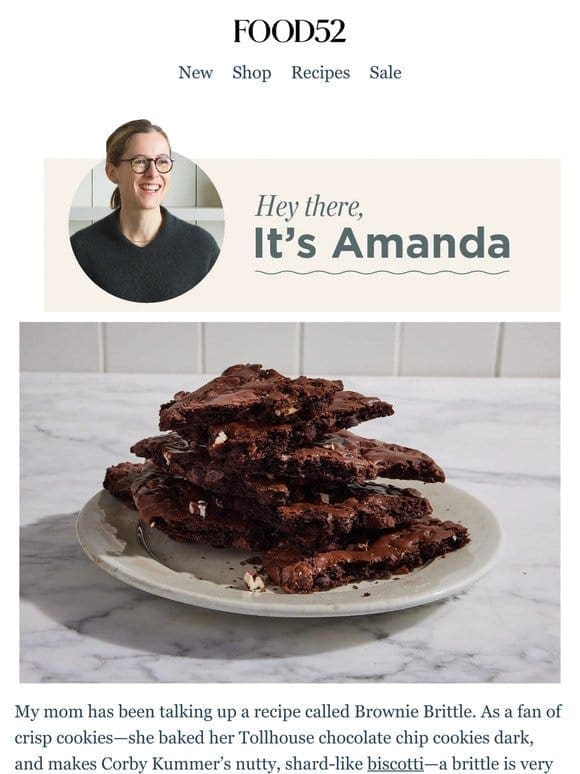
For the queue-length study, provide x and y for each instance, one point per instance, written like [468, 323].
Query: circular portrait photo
[147, 224]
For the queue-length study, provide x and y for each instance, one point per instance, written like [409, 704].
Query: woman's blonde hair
[117, 144]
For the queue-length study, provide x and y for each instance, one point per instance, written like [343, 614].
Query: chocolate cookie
[248, 393]
[178, 458]
[119, 479]
[190, 514]
[348, 457]
[391, 553]
[334, 519]
[259, 441]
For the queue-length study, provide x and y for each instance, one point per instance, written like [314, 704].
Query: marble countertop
[496, 438]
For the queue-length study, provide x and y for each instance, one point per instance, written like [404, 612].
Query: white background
[482, 79]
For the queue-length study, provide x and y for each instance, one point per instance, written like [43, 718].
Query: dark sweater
[174, 262]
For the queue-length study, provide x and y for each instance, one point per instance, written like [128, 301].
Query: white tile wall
[206, 194]
[61, 347]
[358, 348]
[152, 347]
[529, 350]
[102, 188]
[409, 349]
[274, 344]
[448, 349]
[84, 194]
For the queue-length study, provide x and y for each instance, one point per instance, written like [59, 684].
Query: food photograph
[297, 502]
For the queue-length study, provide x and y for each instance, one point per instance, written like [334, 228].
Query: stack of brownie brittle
[261, 462]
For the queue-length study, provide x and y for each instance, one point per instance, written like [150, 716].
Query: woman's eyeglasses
[140, 164]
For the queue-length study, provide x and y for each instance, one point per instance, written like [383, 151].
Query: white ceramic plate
[213, 578]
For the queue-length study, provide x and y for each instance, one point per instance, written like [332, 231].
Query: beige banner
[352, 236]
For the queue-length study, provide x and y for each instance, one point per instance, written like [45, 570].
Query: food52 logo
[290, 30]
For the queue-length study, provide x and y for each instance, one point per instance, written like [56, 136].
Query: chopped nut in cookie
[220, 438]
[254, 581]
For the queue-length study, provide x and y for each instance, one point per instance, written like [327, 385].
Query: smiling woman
[141, 252]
